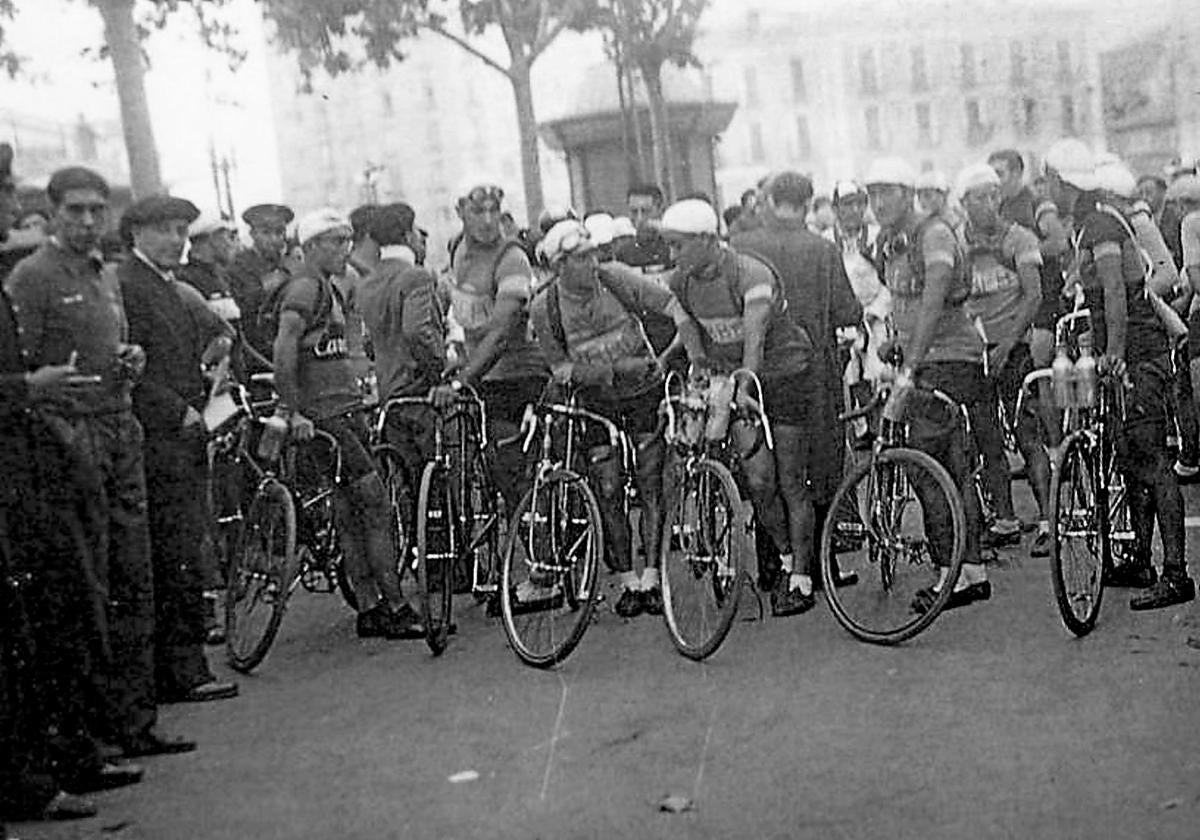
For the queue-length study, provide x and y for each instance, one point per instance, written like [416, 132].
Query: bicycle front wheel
[260, 577]
[548, 576]
[437, 552]
[1080, 531]
[914, 524]
[704, 537]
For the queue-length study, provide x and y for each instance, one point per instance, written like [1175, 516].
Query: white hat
[566, 237]
[976, 175]
[1074, 163]
[933, 179]
[208, 224]
[320, 222]
[1115, 177]
[601, 227]
[1184, 188]
[848, 189]
[690, 216]
[623, 226]
[892, 170]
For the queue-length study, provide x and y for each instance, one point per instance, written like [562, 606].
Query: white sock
[785, 562]
[943, 573]
[971, 573]
[1043, 526]
[629, 580]
[801, 582]
[649, 578]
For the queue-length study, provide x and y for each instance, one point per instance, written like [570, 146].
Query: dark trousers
[175, 475]
[111, 447]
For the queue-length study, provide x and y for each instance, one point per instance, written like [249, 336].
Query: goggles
[482, 193]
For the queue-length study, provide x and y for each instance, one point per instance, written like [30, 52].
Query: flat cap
[160, 208]
[263, 215]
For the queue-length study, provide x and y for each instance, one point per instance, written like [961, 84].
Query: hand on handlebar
[897, 402]
[301, 427]
[1113, 366]
[443, 396]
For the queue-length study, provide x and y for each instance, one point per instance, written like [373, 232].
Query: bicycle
[707, 525]
[549, 571]
[285, 537]
[899, 493]
[459, 513]
[1090, 519]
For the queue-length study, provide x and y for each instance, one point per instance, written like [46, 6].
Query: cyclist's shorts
[789, 399]
[1147, 400]
[506, 398]
[1009, 378]
[352, 433]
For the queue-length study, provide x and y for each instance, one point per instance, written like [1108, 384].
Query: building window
[757, 153]
[751, 77]
[967, 54]
[1016, 55]
[975, 131]
[924, 124]
[799, 90]
[1064, 60]
[803, 140]
[1068, 114]
[874, 134]
[920, 73]
[1029, 116]
[868, 80]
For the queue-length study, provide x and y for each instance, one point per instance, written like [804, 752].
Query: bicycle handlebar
[467, 396]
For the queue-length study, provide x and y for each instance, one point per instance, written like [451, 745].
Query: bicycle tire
[262, 573]
[437, 552]
[1078, 587]
[842, 600]
[691, 567]
[484, 509]
[399, 487]
[574, 524]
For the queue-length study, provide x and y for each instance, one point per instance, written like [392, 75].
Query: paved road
[995, 723]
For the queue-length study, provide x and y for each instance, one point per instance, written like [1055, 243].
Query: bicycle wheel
[1080, 533]
[902, 495]
[437, 550]
[704, 537]
[548, 574]
[260, 576]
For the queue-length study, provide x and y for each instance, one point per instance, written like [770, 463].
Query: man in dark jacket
[180, 334]
[820, 299]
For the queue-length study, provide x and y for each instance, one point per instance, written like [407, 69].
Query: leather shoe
[106, 777]
[148, 743]
[67, 806]
[203, 693]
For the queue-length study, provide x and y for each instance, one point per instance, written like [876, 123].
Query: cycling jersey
[994, 262]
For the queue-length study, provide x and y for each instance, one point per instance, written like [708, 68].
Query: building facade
[939, 84]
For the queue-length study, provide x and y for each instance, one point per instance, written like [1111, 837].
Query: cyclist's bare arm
[933, 302]
[505, 318]
[1054, 239]
[1108, 267]
[754, 318]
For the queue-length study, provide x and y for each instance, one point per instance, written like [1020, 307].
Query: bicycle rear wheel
[487, 527]
[548, 576]
[260, 576]
[1080, 533]
[704, 537]
[437, 550]
[903, 497]
[400, 488]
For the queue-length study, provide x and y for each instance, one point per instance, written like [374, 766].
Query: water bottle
[1085, 374]
[1062, 377]
[720, 401]
[274, 433]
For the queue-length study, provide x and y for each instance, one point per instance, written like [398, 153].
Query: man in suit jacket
[180, 334]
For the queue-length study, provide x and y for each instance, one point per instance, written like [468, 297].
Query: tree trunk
[120, 33]
[660, 130]
[531, 170]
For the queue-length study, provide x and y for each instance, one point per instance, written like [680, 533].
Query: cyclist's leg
[1037, 463]
[1183, 407]
[506, 401]
[938, 432]
[761, 484]
[989, 438]
[409, 432]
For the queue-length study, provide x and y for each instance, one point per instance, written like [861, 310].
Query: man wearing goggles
[588, 323]
[490, 285]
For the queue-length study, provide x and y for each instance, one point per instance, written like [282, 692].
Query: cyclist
[490, 285]
[317, 389]
[922, 265]
[736, 300]
[1127, 332]
[1004, 260]
[588, 325]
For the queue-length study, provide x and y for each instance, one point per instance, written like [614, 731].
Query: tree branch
[564, 20]
[466, 45]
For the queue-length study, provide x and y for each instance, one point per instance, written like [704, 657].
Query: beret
[261, 215]
[160, 208]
